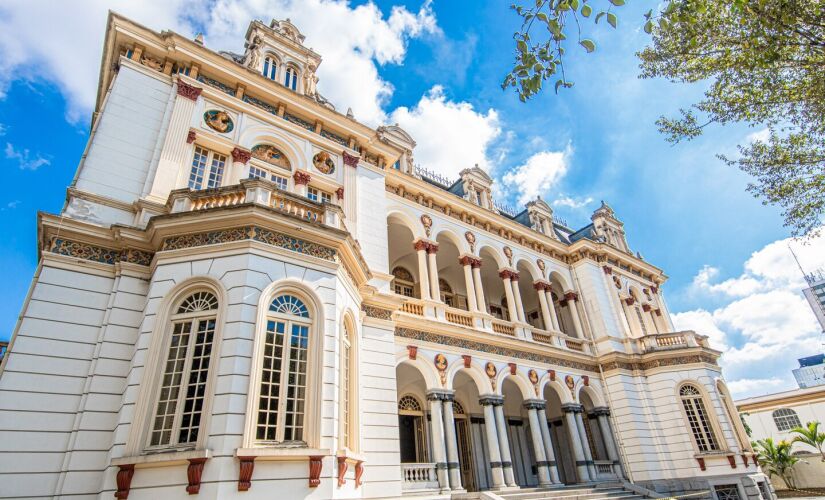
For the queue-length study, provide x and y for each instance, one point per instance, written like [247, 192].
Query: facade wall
[763, 426]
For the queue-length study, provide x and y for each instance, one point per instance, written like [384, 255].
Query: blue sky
[435, 68]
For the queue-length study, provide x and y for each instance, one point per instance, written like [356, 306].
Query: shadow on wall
[809, 473]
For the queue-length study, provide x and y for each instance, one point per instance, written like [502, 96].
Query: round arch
[398, 215]
[524, 262]
[496, 254]
[475, 372]
[594, 395]
[450, 235]
[560, 389]
[261, 134]
[558, 278]
[427, 370]
[524, 385]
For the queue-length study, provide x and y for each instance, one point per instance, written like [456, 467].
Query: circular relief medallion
[323, 163]
[218, 121]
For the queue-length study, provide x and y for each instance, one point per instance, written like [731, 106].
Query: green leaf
[588, 45]
[649, 27]
[559, 83]
[522, 46]
[611, 19]
[574, 4]
[586, 10]
[599, 16]
[617, 3]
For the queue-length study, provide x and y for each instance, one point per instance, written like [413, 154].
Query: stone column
[602, 415]
[588, 456]
[572, 298]
[552, 308]
[479, 288]
[173, 155]
[534, 406]
[453, 469]
[435, 291]
[505, 276]
[466, 263]
[437, 434]
[240, 166]
[350, 204]
[570, 410]
[301, 180]
[488, 403]
[540, 287]
[548, 447]
[652, 316]
[517, 296]
[420, 247]
[504, 445]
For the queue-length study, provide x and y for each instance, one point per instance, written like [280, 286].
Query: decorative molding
[124, 480]
[340, 193]
[732, 461]
[701, 462]
[316, 463]
[188, 91]
[570, 383]
[253, 233]
[471, 240]
[96, 253]
[412, 352]
[629, 301]
[194, 473]
[191, 136]
[427, 222]
[468, 260]
[247, 465]
[571, 296]
[658, 363]
[468, 360]
[473, 345]
[552, 374]
[440, 362]
[301, 178]
[513, 368]
[432, 247]
[586, 380]
[350, 160]
[607, 269]
[376, 312]
[491, 371]
[359, 473]
[491, 400]
[241, 155]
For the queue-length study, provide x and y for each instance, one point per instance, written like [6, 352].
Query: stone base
[746, 483]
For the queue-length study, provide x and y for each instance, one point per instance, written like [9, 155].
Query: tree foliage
[776, 459]
[810, 435]
[762, 62]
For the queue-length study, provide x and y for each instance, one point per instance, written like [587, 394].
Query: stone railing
[504, 327]
[672, 340]
[559, 339]
[420, 476]
[413, 306]
[458, 317]
[605, 469]
[259, 192]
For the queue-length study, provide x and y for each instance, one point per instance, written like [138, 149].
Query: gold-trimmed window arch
[403, 282]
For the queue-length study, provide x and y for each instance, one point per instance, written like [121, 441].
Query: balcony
[258, 192]
[418, 478]
[669, 341]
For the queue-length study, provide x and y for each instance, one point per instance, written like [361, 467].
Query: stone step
[568, 494]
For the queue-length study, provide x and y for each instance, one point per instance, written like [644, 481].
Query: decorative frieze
[301, 178]
[350, 160]
[376, 312]
[94, 253]
[473, 345]
[241, 155]
[254, 233]
[188, 91]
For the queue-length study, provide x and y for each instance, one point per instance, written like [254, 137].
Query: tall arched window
[786, 419]
[291, 78]
[281, 400]
[347, 385]
[698, 419]
[179, 408]
[270, 68]
[412, 430]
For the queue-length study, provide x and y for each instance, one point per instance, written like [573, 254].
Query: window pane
[296, 384]
[281, 182]
[198, 168]
[270, 381]
[216, 172]
[170, 385]
[257, 173]
[196, 388]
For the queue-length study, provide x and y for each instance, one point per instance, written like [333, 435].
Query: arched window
[348, 371]
[698, 419]
[270, 68]
[281, 400]
[412, 430]
[403, 282]
[291, 78]
[786, 419]
[179, 408]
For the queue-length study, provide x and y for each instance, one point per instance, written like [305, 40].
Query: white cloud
[538, 174]
[3, 130]
[760, 135]
[352, 40]
[450, 136]
[763, 322]
[25, 160]
[570, 202]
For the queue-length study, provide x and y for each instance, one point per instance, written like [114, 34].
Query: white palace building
[250, 295]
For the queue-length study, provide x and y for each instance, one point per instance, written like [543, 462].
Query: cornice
[795, 399]
[659, 359]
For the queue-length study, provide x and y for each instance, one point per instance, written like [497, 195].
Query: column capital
[541, 285]
[508, 274]
[301, 177]
[599, 411]
[440, 395]
[188, 91]
[350, 160]
[432, 247]
[607, 269]
[571, 408]
[646, 307]
[191, 136]
[534, 404]
[469, 260]
[340, 193]
[629, 301]
[571, 295]
[491, 400]
[240, 155]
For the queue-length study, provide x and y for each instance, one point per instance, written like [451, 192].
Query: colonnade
[445, 451]
[429, 285]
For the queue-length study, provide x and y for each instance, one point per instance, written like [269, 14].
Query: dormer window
[478, 197]
[270, 68]
[291, 79]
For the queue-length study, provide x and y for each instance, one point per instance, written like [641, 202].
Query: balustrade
[458, 318]
[504, 328]
[418, 476]
[413, 307]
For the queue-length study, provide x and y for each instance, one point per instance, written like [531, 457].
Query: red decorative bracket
[607, 270]
[701, 463]
[191, 136]
[315, 465]
[241, 155]
[646, 307]
[586, 380]
[342, 470]
[552, 375]
[745, 459]
[412, 352]
[732, 461]
[339, 193]
[124, 480]
[467, 360]
[188, 91]
[629, 301]
[350, 160]
[194, 473]
[359, 473]
[301, 177]
[247, 465]
[513, 368]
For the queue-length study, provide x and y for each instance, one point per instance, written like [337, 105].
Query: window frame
[314, 379]
[710, 415]
[208, 169]
[137, 443]
[320, 195]
[293, 71]
[348, 392]
[264, 67]
[270, 175]
[787, 420]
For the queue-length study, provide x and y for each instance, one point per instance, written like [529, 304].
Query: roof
[785, 398]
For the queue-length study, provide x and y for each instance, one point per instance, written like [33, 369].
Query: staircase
[575, 492]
